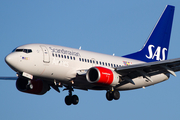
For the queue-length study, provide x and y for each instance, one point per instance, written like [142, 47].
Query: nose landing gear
[29, 86]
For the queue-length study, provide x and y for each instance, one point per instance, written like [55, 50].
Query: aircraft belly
[54, 72]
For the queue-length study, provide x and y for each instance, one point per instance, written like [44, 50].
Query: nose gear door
[46, 58]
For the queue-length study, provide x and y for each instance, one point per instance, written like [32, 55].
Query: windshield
[22, 50]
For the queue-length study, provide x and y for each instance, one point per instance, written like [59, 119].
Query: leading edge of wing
[8, 78]
[150, 64]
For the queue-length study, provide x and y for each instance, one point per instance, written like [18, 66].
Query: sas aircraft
[40, 67]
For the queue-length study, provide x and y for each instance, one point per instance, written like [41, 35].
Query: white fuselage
[52, 62]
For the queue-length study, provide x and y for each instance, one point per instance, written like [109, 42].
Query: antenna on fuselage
[80, 48]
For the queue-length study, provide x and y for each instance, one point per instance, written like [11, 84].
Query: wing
[8, 78]
[151, 68]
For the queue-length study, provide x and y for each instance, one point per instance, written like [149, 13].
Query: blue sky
[104, 26]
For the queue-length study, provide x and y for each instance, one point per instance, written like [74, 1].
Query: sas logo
[157, 53]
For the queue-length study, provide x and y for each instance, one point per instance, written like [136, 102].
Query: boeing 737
[40, 67]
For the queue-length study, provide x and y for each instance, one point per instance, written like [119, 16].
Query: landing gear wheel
[116, 95]
[109, 96]
[71, 99]
[75, 99]
[68, 100]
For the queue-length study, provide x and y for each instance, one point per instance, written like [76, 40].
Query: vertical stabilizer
[157, 45]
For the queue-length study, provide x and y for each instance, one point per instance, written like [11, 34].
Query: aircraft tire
[68, 100]
[75, 99]
[116, 95]
[109, 96]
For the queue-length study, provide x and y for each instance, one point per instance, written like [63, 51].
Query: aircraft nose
[11, 60]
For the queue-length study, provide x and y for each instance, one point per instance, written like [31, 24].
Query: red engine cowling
[39, 86]
[103, 76]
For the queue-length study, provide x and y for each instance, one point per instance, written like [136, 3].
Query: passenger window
[106, 64]
[53, 54]
[83, 59]
[100, 62]
[62, 56]
[71, 57]
[90, 61]
[96, 62]
[59, 55]
[56, 55]
[74, 58]
[65, 56]
[79, 59]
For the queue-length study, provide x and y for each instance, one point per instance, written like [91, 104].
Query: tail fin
[157, 45]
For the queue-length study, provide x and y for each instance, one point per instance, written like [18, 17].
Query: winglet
[157, 45]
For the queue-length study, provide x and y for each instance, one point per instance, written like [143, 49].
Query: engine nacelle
[39, 86]
[102, 76]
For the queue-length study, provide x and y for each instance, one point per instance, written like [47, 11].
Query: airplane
[40, 67]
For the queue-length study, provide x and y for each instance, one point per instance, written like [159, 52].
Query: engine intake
[103, 76]
[40, 87]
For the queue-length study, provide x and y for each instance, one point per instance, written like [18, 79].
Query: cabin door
[46, 58]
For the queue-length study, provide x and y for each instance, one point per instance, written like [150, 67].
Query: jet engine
[102, 76]
[39, 87]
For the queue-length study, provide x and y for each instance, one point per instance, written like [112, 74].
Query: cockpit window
[14, 50]
[23, 50]
[19, 50]
[28, 51]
